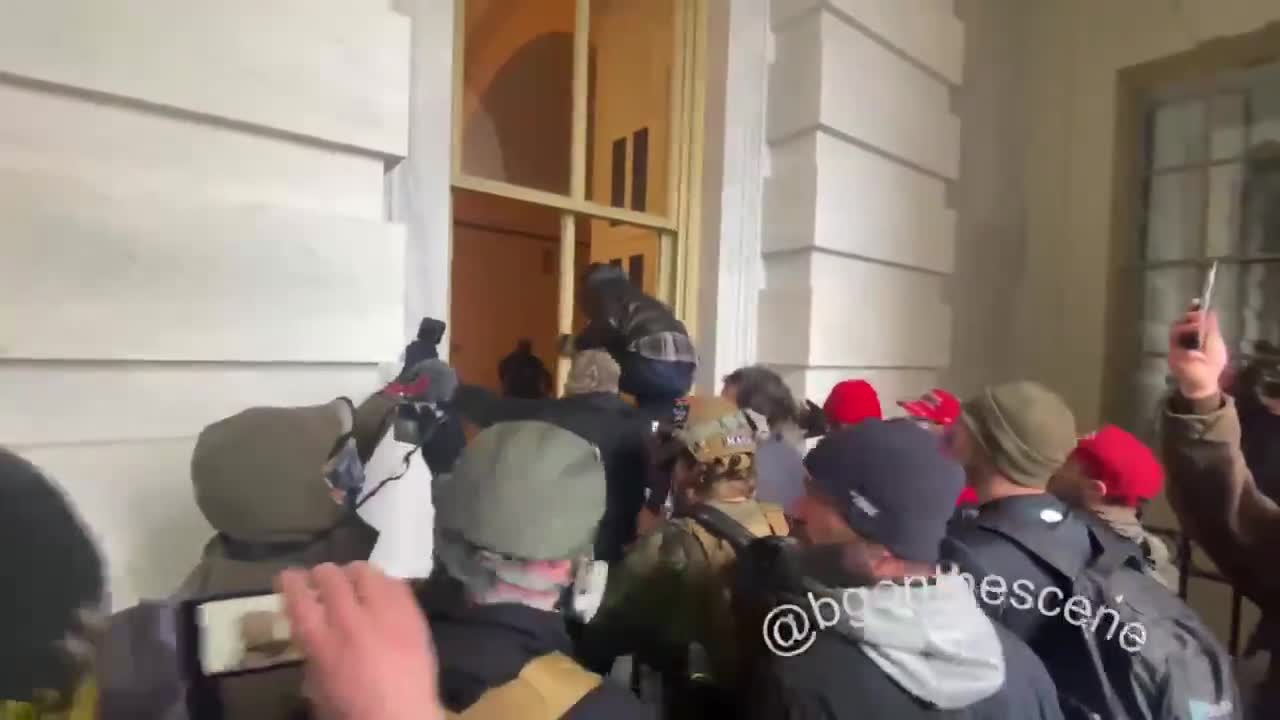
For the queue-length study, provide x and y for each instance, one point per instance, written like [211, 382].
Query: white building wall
[193, 219]
[859, 239]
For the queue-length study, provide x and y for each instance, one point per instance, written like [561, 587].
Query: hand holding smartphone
[1203, 304]
[231, 635]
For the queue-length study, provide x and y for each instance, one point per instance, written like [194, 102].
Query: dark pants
[654, 382]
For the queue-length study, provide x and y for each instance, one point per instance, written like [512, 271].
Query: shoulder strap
[547, 687]
[1106, 555]
[720, 525]
[717, 554]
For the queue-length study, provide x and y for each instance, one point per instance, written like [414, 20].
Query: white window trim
[418, 189]
[732, 269]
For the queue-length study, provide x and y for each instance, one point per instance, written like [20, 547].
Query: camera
[414, 422]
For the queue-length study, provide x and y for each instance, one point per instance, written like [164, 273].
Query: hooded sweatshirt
[913, 651]
[258, 480]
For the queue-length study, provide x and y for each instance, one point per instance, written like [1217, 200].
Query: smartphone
[1195, 341]
[231, 635]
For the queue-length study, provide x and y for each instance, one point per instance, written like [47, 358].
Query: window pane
[629, 103]
[1226, 302]
[1262, 205]
[633, 250]
[1168, 292]
[505, 286]
[517, 94]
[1264, 110]
[1226, 127]
[1150, 386]
[1226, 190]
[1260, 304]
[1175, 216]
[1179, 134]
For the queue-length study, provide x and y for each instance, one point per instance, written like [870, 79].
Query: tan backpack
[720, 557]
[546, 688]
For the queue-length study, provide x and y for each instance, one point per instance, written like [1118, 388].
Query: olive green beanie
[1026, 429]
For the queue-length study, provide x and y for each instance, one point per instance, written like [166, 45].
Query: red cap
[852, 401]
[1123, 463]
[936, 406]
[968, 496]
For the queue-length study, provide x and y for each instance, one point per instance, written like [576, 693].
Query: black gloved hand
[813, 421]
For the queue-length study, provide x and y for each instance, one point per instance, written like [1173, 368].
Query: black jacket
[619, 313]
[602, 419]
[523, 375]
[485, 646]
[836, 679]
[1260, 442]
[978, 552]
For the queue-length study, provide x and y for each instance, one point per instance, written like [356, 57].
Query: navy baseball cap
[893, 482]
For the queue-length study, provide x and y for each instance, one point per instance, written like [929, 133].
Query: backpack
[697, 687]
[1141, 653]
[546, 688]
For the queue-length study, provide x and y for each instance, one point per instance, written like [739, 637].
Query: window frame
[1232, 82]
[678, 229]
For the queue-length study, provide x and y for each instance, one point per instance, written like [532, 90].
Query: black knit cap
[50, 570]
[893, 483]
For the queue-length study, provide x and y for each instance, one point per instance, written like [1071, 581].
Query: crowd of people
[602, 556]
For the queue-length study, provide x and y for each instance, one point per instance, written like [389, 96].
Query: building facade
[245, 203]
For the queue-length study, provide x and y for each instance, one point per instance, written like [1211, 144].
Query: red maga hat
[936, 406]
[1123, 463]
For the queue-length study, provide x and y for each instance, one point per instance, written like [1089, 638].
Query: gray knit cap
[1026, 429]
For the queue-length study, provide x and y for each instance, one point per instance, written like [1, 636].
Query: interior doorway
[572, 131]
[505, 283]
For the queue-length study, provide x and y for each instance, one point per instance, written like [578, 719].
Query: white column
[419, 186]
[858, 237]
[735, 168]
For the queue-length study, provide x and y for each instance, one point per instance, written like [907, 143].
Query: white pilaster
[859, 240]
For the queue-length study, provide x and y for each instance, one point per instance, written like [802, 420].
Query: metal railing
[1187, 569]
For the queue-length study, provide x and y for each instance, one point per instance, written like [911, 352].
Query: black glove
[813, 421]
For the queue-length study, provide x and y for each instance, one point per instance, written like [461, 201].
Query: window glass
[1168, 291]
[1175, 215]
[1179, 135]
[1264, 110]
[1226, 127]
[1222, 224]
[517, 92]
[632, 76]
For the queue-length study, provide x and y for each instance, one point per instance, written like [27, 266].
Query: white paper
[401, 512]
